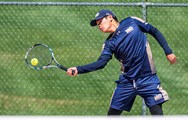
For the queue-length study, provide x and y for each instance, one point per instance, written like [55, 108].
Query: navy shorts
[150, 90]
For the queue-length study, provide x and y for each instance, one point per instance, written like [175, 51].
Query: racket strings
[42, 54]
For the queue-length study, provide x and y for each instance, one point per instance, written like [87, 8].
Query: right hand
[70, 71]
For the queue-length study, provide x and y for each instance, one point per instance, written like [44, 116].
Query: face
[104, 24]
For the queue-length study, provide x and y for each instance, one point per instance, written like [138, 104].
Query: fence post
[144, 15]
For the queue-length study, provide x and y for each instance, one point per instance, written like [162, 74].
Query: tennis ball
[34, 61]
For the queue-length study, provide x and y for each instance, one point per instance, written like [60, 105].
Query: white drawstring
[134, 84]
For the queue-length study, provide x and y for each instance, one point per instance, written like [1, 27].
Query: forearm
[99, 64]
[90, 67]
[161, 40]
[148, 28]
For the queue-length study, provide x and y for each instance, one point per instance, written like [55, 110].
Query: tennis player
[130, 46]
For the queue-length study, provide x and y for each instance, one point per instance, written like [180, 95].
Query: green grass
[66, 30]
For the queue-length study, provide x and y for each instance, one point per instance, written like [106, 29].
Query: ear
[110, 18]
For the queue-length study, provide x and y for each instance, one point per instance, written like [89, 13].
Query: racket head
[42, 53]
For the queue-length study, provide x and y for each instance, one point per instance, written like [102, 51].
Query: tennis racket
[45, 58]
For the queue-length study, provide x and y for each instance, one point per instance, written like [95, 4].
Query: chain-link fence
[64, 26]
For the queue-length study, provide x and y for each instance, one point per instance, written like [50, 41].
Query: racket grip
[62, 67]
[65, 69]
[73, 71]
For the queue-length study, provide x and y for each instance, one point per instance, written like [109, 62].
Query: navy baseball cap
[101, 14]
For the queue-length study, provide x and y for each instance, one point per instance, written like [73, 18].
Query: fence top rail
[138, 4]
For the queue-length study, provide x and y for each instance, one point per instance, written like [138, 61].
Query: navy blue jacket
[130, 46]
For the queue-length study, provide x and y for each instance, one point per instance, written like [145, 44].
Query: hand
[70, 71]
[171, 58]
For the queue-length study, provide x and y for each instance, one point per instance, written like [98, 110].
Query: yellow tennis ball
[34, 61]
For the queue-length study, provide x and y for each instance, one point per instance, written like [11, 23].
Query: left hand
[171, 58]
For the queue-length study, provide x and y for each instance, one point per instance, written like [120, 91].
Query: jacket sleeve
[148, 28]
[99, 64]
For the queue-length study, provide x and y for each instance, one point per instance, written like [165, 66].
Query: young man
[130, 46]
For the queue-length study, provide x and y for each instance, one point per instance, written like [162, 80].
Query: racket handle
[62, 67]
[73, 71]
[65, 69]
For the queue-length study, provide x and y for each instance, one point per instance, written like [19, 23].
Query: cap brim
[93, 22]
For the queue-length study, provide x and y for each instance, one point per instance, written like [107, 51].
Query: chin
[104, 31]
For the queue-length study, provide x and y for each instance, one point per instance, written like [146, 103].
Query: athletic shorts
[125, 93]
